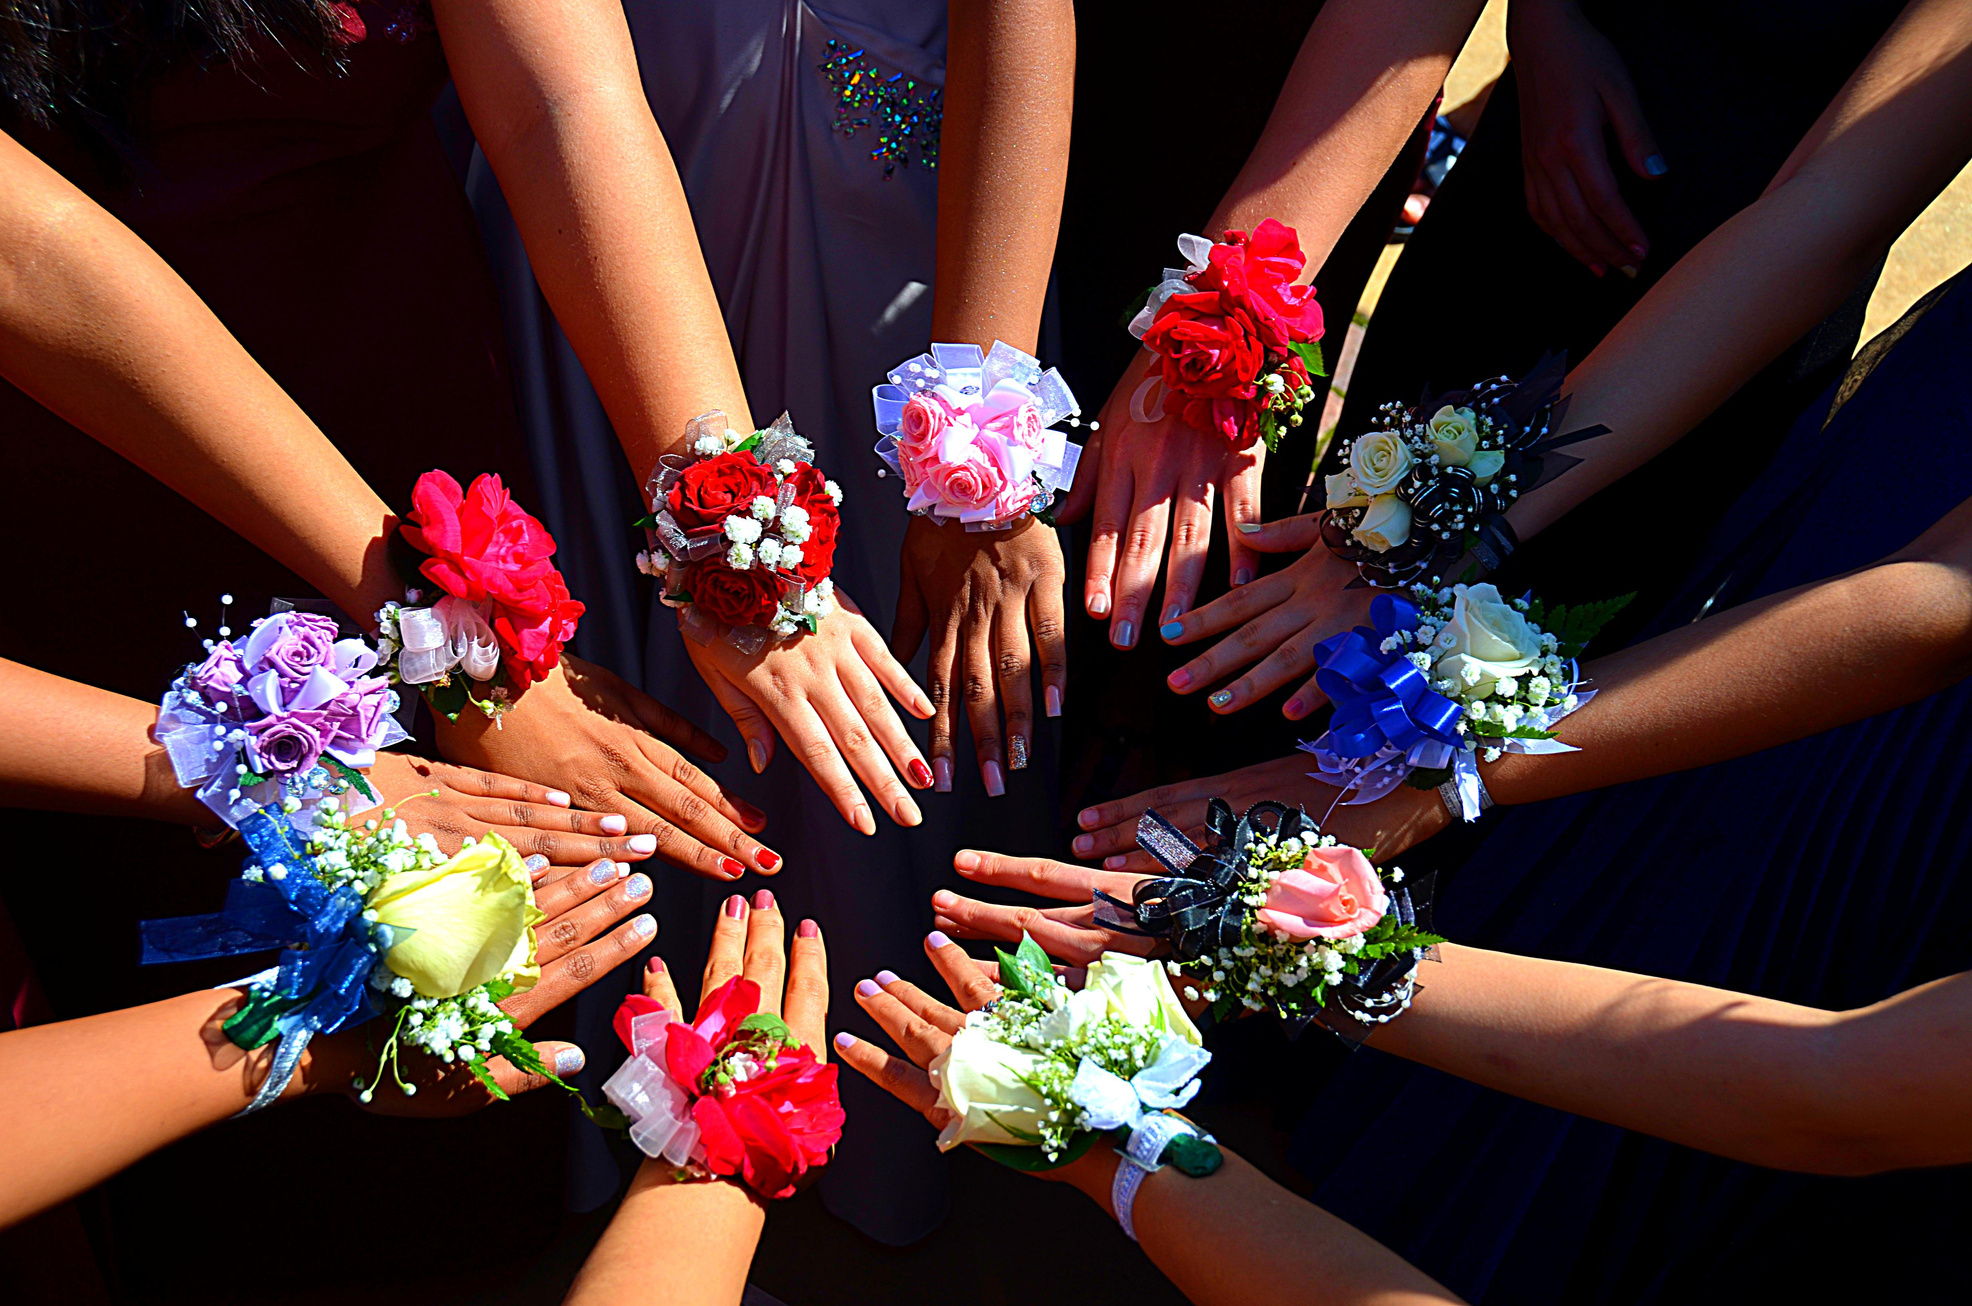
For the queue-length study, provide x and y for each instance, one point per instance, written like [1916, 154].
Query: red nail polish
[920, 773]
[767, 858]
[1179, 679]
[731, 867]
[736, 906]
[655, 966]
[763, 900]
[808, 930]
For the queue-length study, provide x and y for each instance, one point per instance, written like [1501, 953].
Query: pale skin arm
[1003, 162]
[555, 101]
[1896, 134]
[1366, 73]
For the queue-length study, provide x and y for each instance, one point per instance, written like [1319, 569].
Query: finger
[1082, 494]
[765, 961]
[908, 630]
[725, 956]
[942, 671]
[894, 1075]
[1288, 535]
[1605, 203]
[1241, 477]
[812, 740]
[920, 1038]
[567, 976]
[567, 850]
[670, 727]
[1050, 617]
[692, 803]
[1142, 554]
[1293, 658]
[1229, 610]
[563, 894]
[853, 735]
[1114, 492]
[659, 987]
[674, 764]
[1254, 642]
[922, 1005]
[565, 1059]
[1633, 134]
[1603, 249]
[1064, 932]
[667, 840]
[1013, 672]
[807, 1006]
[872, 706]
[980, 694]
[475, 783]
[1041, 876]
[1548, 215]
[890, 671]
[564, 934]
[753, 724]
[1304, 700]
[1191, 537]
[972, 985]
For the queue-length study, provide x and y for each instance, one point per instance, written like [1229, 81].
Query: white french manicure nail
[643, 843]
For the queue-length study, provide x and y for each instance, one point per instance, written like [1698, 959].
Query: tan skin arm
[70, 747]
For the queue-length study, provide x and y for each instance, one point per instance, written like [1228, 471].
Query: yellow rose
[1379, 461]
[1455, 435]
[472, 920]
[1386, 523]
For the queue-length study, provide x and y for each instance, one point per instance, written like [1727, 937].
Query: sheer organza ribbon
[452, 632]
[1167, 1083]
[659, 1107]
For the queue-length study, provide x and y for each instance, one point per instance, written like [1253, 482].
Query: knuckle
[690, 809]
[1011, 665]
[1141, 541]
[582, 965]
[564, 934]
[521, 814]
[978, 689]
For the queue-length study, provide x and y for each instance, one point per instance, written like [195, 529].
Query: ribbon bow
[1383, 701]
[1197, 906]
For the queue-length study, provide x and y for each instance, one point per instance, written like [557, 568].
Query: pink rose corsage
[970, 434]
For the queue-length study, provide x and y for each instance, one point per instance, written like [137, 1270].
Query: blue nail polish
[1655, 165]
[1126, 634]
[1244, 576]
[1171, 629]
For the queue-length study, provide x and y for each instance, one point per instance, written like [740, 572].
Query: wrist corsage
[371, 922]
[1277, 914]
[969, 434]
[1445, 679]
[1039, 1073]
[1234, 335]
[505, 614]
[731, 1095]
[742, 534]
[1428, 484]
[292, 713]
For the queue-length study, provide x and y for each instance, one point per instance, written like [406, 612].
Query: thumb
[1083, 492]
[1633, 134]
[559, 1060]
[1288, 535]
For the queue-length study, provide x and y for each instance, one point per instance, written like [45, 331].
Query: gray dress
[817, 217]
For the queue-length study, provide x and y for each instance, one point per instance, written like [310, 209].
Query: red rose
[738, 598]
[1237, 421]
[1205, 354]
[824, 523]
[710, 491]
[1254, 277]
[532, 631]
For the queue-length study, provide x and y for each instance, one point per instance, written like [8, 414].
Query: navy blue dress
[1827, 872]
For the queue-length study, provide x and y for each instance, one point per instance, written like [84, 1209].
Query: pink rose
[1021, 426]
[1336, 894]
[964, 486]
[926, 419]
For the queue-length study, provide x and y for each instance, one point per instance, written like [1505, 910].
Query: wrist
[1093, 1173]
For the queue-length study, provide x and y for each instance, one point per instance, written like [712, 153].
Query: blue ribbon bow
[1382, 700]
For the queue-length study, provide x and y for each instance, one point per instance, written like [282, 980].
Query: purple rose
[356, 720]
[289, 744]
[293, 646]
[221, 677]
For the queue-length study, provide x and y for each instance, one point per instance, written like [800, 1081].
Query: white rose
[1379, 461]
[1486, 464]
[1139, 992]
[1342, 492]
[981, 1082]
[1386, 523]
[1455, 435]
[1486, 640]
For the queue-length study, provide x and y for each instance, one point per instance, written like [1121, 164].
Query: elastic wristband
[1140, 1158]
[1455, 804]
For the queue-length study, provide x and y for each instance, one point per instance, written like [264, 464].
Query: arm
[1768, 1082]
[71, 747]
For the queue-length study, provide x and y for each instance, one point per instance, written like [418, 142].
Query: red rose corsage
[505, 613]
[1234, 337]
[731, 1095]
[742, 534]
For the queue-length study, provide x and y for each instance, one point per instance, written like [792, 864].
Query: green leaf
[1427, 777]
[682, 596]
[479, 1071]
[1494, 730]
[252, 1026]
[1310, 353]
[766, 1022]
[1575, 627]
[1270, 430]
[645, 522]
[749, 444]
[605, 1116]
[1031, 1159]
[1040, 970]
[1135, 307]
[251, 778]
[352, 775]
[1012, 978]
[1193, 1156]
[813, 622]
[498, 989]
[449, 698]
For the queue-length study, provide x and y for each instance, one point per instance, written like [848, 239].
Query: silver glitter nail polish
[1017, 753]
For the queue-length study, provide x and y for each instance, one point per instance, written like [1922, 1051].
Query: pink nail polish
[937, 939]
[845, 1039]
[1084, 844]
[941, 770]
[735, 907]
[996, 784]
[1054, 700]
[614, 824]
[1179, 679]
[763, 900]
[807, 930]
[655, 966]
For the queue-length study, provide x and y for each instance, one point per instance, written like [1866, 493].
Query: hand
[1280, 619]
[1154, 479]
[449, 802]
[751, 941]
[978, 591]
[1573, 86]
[578, 943]
[824, 694]
[592, 735]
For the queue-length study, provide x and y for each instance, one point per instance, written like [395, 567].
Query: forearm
[69, 747]
[1236, 1237]
[1367, 72]
[552, 91]
[86, 1098]
[97, 327]
[1002, 166]
[687, 1244]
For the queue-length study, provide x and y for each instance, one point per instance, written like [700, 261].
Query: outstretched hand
[449, 802]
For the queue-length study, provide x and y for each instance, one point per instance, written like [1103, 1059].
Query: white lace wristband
[1140, 1157]
[1457, 805]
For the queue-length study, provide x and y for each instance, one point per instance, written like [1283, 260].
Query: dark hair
[62, 57]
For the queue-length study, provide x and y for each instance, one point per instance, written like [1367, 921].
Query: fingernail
[941, 768]
[1017, 753]
[1639, 251]
[756, 753]
[1628, 271]
[920, 773]
[637, 887]
[646, 925]
[749, 812]
[1084, 844]
[655, 965]
[807, 930]
[1244, 576]
[643, 843]
[763, 900]
[863, 821]
[886, 978]
[1222, 698]
[767, 858]
[535, 863]
[937, 939]
[1250, 528]
[867, 989]
[1086, 818]
[845, 1039]
[1099, 606]
[1171, 629]
[603, 873]
[965, 860]
[1596, 268]
[1179, 679]
[732, 866]
[735, 907]
[944, 900]
[996, 784]
[1173, 612]
[622, 869]
[560, 799]
[614, 824]
[1053, 696]
[1655, 165]
[1115, 861]
[1294, 707]
[569, 1060]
